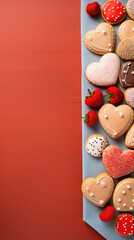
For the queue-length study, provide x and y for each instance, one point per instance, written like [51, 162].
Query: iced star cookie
[113, 12]
[129, 139]
[123, 197]
[125, 49]
[98, 190]
[130, 8]
[116, 162]
[126, 75]
[115, 120]
[129, 97]
[95, 145]
[126, 29]
[105, 73]
[124, 224]
[101, 40]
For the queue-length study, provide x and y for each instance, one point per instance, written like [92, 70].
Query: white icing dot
[103, 184]
[87, 188]
[118, 209]
[109, 9]
[112, 15]
[120, 13]
[110, 45]
[133, 200]
[121, 115]
[131, 208]
[116, 110]
[124, 71]
[119, 199]
[106, 116]
[107, 18]
[98, 31]
[117, 7]
[124, 192]
[91, 194]
[112, 7]
[104, 31]
[132, 72]
[133, 29]
[101, 202]
[124, 204]
[98, 182]
[128, 187]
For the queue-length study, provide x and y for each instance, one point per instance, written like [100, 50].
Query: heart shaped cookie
[115, 120]
[105, 73]
[130, 8]
[118, 163]
[126, 29]
[123, 197]
[98, 190]
[101, 40]
[129, 97]
[125, 49]
[129, 139]
[126, 75]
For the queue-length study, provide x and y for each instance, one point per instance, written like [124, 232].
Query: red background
[40, 124]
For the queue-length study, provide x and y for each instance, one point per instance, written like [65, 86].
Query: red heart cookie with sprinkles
[113, 12]
[124, 224]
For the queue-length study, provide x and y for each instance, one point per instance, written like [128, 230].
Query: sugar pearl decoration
[133, 200]
[104, 31]
[118, 209]
[124, 192]
[98, 182]
[101, 202]
[91, 194]
[131, 208]
[124, 204]
[128, 187]
[103, 184]
[106, 116]
[121, 115]
[119, 199]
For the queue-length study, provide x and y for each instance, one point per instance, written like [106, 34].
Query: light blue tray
[93, 166]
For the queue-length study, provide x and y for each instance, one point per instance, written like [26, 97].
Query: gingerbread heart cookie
[125, 49]
[118, 163]
[130, 8]
[126, 29]
[126, 75]
[105, 73]
[129, 139]
[98, 190]
[123, 197]
[101, 40]
[115, 120]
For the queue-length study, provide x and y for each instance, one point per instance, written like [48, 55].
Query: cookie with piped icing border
[95, 145]
[126, 74]
[123, 196]
[125, 49]
[130, 9]
[113, 12]
[129, 96]
[101, 40]
[129, 138]
[115, 120]
[124, 224]
[98, 190]
[126, 29]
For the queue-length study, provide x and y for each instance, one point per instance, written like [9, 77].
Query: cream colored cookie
[98, 190]
[123, 197]
[95, 145]
[115, 120]
[130, 8]
[101, 40]
[125, 49]
[129, 139]
[126, 29]
[129, 97]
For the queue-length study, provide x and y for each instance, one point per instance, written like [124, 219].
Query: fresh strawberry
[90, 118]
[114, 95]
[93, 8]
[107, 215]
[94, 99]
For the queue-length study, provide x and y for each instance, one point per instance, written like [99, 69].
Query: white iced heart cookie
[123, 197]
[105, 73]
[98, 190]
[95, 145]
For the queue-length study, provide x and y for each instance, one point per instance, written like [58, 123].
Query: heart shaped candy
[108, 214]
[124, 224]
[105, 73]
[101, 40]
[118, 163]
[98, 190]
[115, 120]
[123, 197]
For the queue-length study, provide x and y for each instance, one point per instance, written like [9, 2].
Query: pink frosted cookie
[113, 11]
[105, 73]
[118, 163]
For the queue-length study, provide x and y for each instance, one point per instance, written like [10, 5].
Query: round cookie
[126, 29]
[116, 162]
[98, 190]
[124, 224]
[125, 49]
[123, 197]
[115, 120]
[129, 139]
[126, 74]
[130, 8]
[101, 40]
[104, 73]
[95, 145]
[113, 12]
[129, 97]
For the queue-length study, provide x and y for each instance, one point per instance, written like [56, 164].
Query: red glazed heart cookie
[98, 190]
[118, 163]
[113, 12]
[123, 197]
[124, 224]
